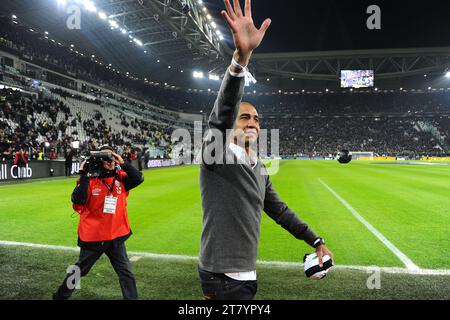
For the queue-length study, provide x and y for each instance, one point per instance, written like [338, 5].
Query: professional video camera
[94, 162]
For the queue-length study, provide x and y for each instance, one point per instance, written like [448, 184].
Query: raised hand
[246, 36]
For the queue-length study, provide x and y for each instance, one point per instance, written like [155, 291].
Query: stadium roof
[157, 39]
[142, 37]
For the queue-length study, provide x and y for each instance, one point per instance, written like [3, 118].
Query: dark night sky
[318, 25]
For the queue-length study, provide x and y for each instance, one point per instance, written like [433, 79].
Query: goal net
[361, 155]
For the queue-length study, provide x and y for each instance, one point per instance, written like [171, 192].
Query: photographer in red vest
[20, 160]
[100, 198]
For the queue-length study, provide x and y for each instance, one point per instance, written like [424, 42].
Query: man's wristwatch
[318, 242]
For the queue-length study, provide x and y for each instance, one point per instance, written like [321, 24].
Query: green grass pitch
[408, 204]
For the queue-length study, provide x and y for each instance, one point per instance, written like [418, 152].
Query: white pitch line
[406, 261]
[279, 264]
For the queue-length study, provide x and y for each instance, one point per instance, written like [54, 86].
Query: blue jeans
[218, 286]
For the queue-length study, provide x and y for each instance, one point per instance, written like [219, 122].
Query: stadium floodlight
[123, 31]
[89, 6]
[214, 25]
[181, 71]
[102, 15]
[200, 2]
[208, 16]
[447, 75]
[138, 42]
[168, 67]
[198, 74]
[14, 16]
[214, 77]
[113, 24]
[204, 9]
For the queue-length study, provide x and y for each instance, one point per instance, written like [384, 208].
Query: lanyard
[110, 188]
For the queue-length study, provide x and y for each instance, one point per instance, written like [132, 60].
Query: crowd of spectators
[20, 128]
[322, 124]
[39, 49]
[31, 123]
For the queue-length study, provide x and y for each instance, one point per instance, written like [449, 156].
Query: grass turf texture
[34, 274]
[408, 204]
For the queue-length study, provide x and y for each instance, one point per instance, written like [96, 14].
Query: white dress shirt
[240, 153]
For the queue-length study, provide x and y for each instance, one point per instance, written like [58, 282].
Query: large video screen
[356, 78]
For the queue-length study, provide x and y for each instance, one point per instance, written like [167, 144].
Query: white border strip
[406, 261]
[293, 265]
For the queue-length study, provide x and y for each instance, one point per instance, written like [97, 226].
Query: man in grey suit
[234, 185]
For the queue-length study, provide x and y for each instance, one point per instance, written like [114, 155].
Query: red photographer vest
[95, 225]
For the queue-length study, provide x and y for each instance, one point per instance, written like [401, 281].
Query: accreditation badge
[110, 205]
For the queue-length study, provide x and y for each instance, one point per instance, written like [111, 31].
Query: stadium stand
[38, 123]
[51, 112]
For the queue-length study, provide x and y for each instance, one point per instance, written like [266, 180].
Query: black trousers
[218, 286]
[117, 254]
[68, 170]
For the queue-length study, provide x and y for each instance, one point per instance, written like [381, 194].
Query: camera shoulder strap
[110, 188]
